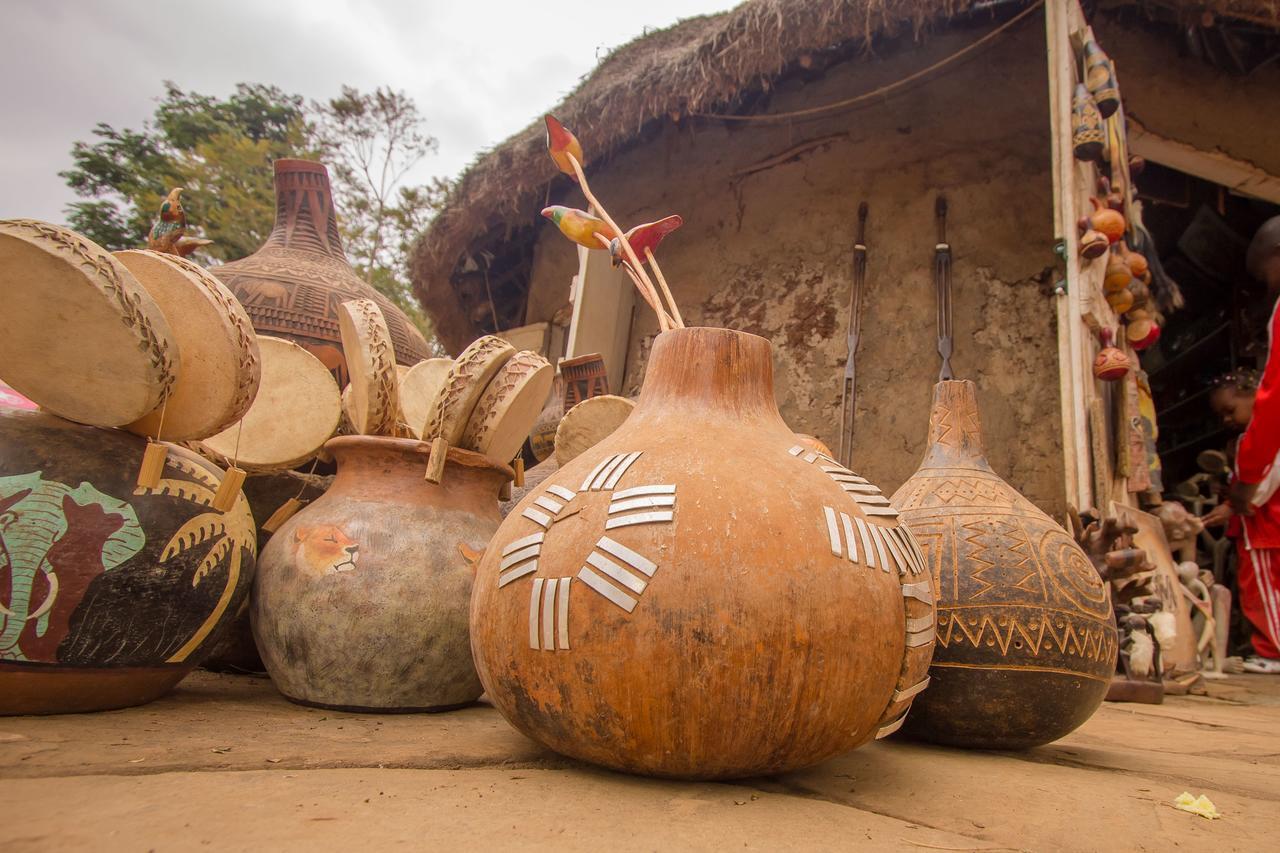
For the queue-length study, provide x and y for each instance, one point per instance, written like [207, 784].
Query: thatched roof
[702, 64]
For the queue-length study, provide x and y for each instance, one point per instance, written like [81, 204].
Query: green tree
[372, 141]
[219, 150]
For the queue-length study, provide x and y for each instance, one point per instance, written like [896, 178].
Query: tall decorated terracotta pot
[361, 597]
[293, 285]
[698, 595]
[110, 592]
[1026, 636]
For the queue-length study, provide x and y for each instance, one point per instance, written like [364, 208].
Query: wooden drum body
[79, 335]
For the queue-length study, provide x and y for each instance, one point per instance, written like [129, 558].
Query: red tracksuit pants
[1259, 580]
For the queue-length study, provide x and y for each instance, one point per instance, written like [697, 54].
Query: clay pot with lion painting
[361, 598]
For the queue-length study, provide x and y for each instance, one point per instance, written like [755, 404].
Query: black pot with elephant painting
[110, 593]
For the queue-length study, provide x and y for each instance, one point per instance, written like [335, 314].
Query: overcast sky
[479, 71]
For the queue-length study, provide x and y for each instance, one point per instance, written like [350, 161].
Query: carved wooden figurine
[1181, 529]
[1087, 139]
[169, 233]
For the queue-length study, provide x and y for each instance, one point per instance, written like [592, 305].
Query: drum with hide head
[79, 336]
[220, 362]
[295, 413]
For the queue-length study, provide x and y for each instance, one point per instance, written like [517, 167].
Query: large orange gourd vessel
[698, 595]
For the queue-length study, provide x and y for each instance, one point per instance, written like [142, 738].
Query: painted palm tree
[225, 534]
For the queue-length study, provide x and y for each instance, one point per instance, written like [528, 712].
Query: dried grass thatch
[701, 64]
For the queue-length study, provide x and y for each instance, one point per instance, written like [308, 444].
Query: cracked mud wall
[768, 251]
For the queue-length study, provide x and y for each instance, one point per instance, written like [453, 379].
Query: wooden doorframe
[603, 304]
[1062, 20]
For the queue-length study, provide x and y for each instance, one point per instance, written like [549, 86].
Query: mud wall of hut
[766, 249]
[1188, 101]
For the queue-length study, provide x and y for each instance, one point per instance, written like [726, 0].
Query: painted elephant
[46, 525]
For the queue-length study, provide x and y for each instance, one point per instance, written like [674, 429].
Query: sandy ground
[226, 763]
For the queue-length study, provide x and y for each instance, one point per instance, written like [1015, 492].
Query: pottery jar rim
[298, 164]
[412, 446]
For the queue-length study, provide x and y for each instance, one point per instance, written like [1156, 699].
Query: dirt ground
[225, 763]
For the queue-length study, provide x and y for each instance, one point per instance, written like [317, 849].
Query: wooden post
[229, 489]
[602, 305]
[1060, 19]
[435, 462]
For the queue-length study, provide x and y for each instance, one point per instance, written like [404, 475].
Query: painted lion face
[325, 548]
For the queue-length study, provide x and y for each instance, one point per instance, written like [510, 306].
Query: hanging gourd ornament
[1101, 79]
[1142, 330]
[1153, 335]
[1140, 292]
[1109, 222]
[1137, 263]
[1112, 193]
[1093, 244]
[1118, 275]
[1087, 139]
[1120, 300]
[1111, 364]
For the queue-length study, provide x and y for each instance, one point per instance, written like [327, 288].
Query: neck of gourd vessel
[306, 217]
[706, 372]
[955, 431]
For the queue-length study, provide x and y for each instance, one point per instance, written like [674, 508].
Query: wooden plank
[603, 300]
[1062, 79]
[1239, 176]
[1100, 453]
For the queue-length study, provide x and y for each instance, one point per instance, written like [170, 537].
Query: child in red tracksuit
[1257, 534]
[1254, 499]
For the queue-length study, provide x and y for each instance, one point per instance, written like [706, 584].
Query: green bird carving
[169, 233]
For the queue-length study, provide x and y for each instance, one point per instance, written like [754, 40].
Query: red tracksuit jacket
[1258, 452]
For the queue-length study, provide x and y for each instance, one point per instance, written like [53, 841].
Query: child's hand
[1217, 516]
[1241, 497]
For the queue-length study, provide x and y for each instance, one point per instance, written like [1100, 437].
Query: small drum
[589, 423]
[509, 406]
[470, 374]
[295, 413]
[220, 363]
[419, 387]
[371, 364]
[79, 335]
